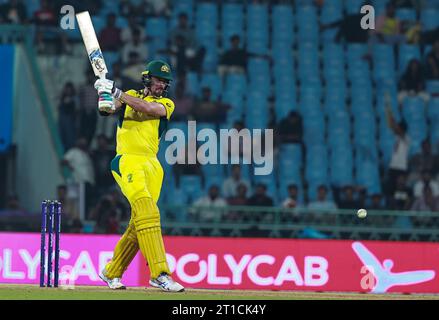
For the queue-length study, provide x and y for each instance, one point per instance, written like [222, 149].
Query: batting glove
[106, 103]
[107, 86]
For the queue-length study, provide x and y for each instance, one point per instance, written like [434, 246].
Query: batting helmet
[159, 69]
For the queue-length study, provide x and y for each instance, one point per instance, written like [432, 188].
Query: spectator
[347, 200]
[401, 197]
[212, 200]
[105, 216]
[184, 102]
[433, 62]
[235, 59]
[88, 101]
[240, 199]
[424, 182]
[291, 202]
[127, 33]
[321, 206]
[134, 45]
[183, 30]
[322, 203]
[207, 109]
[376, 202]
[388, 27]
[349, 29]
[231, 183]
[102, 157]
[110, 36]
[427, 202]
[186, 53]
[412, 83]
[261, 199]
[14, 12]
[399, 159]
[423, 161]
[290, 129]
[79, 161]
[67, 110]
[45, 15]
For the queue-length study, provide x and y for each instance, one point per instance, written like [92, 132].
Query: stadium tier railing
[244, 221]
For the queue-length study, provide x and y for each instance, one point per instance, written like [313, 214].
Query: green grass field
[33, 292]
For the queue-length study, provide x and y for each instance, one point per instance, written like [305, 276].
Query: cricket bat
[91, 44]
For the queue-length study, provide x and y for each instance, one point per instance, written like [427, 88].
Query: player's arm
[153, 109]
[150, 108]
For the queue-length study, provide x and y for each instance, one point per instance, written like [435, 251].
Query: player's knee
[146, 214]
[147, 222]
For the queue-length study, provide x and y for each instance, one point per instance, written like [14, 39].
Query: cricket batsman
[144, 115]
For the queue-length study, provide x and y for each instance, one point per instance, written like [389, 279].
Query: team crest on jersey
[130, 177]
[164, 68]
[97, 60]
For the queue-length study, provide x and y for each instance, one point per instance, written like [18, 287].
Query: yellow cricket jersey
[138, 133]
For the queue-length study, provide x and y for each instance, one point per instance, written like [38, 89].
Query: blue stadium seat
[316, 171]
[291, 152]
[232, 22]
[353, 6]
[314, 130]
[330, 14]
[192, 84]
[429, 19]
[282, 25]
[339, 128]
[236, 82]
[335, 92]
[333, 53]
[341, 165]
[192, 186]
[433, 110]
[307, 24]
[364, 130]
[406, 14]
[413, 108]
[334, 104]
[367, 175]
[334, 73]
[432, 87]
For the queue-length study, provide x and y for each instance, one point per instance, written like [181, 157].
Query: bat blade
[91, 44]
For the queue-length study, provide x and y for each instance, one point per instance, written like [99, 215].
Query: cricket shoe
[165, 282]
[114, 283]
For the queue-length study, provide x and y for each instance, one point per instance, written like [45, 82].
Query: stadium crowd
[407, 166]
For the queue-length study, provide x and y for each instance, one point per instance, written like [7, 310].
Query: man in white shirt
[399, 160]
[230, 184]
[426, 181]
[79, 161]
[212, 200]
